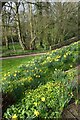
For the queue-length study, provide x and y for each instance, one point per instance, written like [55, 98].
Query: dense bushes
[30, 83]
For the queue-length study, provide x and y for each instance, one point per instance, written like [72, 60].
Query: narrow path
[21, 56]
[72, 112]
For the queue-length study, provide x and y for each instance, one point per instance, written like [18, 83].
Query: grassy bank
[10, 65]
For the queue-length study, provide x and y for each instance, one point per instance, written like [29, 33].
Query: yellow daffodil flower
[67, 53]
[39, 76]
[4, 75]
[64, 56]
[36, 113]
[58, 56]
[70, 65]
[14, 117]
[30, 78]
[14, 74]
[40, 70]
[43, 99]
[35, 103]
[8, 72]
[34, 74]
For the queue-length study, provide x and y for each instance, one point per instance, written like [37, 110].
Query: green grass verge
[18, 50]
[10, 65]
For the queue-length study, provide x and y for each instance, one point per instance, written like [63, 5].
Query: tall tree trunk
[19, 27]
[40, 22]
[6, 38]
[12, 41]
[31, 26]
[5, 31]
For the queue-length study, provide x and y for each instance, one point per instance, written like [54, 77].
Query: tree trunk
[19, 28]
[6, 38]
[31, 27]
[12, 41]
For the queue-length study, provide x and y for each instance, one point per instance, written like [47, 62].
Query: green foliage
[43, 87]
[47, 101]
[51, 23]
[41, 70]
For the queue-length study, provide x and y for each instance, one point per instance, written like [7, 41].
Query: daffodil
[70, 65]
[4, 78]
[48, 58]
[30, 78]
[43, 99]
[4, 75]
[55, 69]
[67, 53]
[14, 74]
[57, 58]
[8, 72]
[36, 113]
[64, 56]
[35, 103]
[14, 117]
[39, 76]
[34, 74]
[40, 70]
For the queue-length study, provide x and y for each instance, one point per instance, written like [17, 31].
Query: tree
[21, 41]
[5, 23]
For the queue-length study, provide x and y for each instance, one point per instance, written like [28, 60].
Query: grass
[18, 50]
[10, 65]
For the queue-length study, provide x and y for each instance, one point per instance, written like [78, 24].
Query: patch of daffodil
[43, 99]
[8, 72]
[30, 78]
[14, 75]
[5, 75]
[38, 76]
[14, 117]
[36, 113]
[71, 66]
[35, 103]
[64, 56]
[57, 58]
